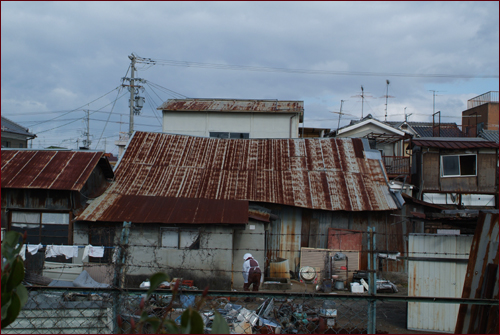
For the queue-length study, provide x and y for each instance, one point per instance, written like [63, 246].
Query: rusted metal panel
[232, 105]
[345, 239]
[324, 173]
[144, 209]
[481, 281]
[53, 170]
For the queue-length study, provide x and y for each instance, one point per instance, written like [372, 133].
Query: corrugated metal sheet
[319, 173]
[233, 105]
[489, 135]
[146, 209]
[54, 170]
[432, 278]
[453, 143]
[479, 283]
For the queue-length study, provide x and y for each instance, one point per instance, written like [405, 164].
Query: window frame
[195, 245]
[40, 223]
[459, 166]
[210, 134]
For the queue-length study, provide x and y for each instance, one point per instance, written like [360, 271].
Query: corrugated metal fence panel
[484, 254]
[434, 278]
[285, 236]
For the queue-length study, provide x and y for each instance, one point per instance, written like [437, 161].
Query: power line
[166, 62]
[76, 109]
[43, 131]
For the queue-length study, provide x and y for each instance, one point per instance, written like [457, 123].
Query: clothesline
[68, 251]
[79, 246]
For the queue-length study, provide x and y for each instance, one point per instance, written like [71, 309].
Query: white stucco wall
[258, 125]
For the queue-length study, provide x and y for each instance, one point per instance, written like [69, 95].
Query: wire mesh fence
[79, 310]
[75, 310]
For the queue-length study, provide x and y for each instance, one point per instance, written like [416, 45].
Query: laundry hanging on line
[69, 251]
[92, 251]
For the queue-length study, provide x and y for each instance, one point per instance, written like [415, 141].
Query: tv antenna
[386, 96]
[434, 100]
[340, 115]
[363, 96]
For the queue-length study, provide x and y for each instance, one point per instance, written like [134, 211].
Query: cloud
[63, 55]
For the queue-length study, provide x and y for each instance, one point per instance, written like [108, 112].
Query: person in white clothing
[251, 273]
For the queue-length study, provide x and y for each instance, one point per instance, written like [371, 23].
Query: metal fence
[82, 310]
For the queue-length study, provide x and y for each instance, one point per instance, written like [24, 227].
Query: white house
[232, 118]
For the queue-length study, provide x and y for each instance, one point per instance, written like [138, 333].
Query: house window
[44, 228]
[458, 165]
[102, 236]
[180, 238]
[218, 134]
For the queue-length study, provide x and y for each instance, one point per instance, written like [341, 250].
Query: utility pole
[86, 143]
[132, 95]
[136, 102]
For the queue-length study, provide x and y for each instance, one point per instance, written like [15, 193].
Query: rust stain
[232, 105]
[48, 169]
[324, 174]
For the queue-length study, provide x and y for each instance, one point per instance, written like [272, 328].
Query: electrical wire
[79, 108]
[174, 94]
[112, 108]
[166, 62]
[44, 131]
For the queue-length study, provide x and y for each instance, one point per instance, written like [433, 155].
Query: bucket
[339, 285]
[280, 269]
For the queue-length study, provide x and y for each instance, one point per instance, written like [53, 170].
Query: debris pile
[276, 317]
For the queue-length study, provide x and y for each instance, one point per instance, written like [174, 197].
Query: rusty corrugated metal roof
[50, 169]
[147, 209]
[233, 105]
[317, 173]
[453, 142]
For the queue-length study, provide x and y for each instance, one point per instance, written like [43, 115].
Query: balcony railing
[491, 96]
[397, 165]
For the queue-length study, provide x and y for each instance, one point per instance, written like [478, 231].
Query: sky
[59, 59]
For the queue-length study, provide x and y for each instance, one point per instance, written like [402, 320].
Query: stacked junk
[276, 316]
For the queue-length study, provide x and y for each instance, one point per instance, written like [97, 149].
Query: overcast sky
[58, 57]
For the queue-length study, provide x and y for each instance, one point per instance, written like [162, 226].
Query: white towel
[68, 251]
[22, 253]
[33, 248]
[96, 251]
[92, 252]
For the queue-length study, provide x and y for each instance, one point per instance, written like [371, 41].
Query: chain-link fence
[78, 310]
[82, 310]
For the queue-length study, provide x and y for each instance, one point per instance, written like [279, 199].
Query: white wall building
[232, 118]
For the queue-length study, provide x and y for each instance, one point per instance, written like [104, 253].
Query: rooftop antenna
[386, 96]
[340, 114]
[363, 96]
[434, 100]
[407, 115]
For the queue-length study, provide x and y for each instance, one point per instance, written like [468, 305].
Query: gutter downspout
[291, 117]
